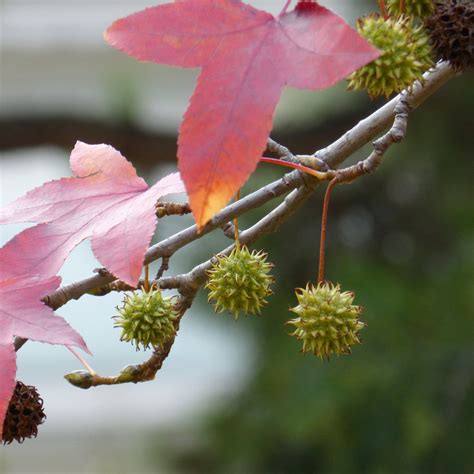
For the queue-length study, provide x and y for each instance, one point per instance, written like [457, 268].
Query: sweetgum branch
[136, 373]
[189, 283]
[171, 209]
[395, 134]
[333, 155]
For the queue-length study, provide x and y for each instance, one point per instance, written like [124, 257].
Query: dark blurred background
[404, 401]
[401, 239]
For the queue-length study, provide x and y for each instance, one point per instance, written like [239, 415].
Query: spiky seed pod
[240, 282]
[146, 318]
[415, 8]
[451, 29]
[406, 55]
[24, 415]
[327, 323]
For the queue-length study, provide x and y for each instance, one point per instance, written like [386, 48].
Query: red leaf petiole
[285, 8]
[323, 176]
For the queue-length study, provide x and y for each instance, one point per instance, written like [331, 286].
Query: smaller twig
[395, 135]
[281, 151]
[138, 373]
[164, 267]
[171, 209]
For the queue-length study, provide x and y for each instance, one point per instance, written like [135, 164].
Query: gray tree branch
[300, 187]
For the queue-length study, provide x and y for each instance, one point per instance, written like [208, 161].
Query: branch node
[164, 267]
[312, 161]
[229, 230]
[171, 209]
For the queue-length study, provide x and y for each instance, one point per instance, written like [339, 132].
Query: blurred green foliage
[403, 402]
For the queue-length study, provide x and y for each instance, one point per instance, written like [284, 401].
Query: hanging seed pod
[146, 318]
[406, 55]
[240, 282]
[24, 415]
[451, 29]
[327, 323]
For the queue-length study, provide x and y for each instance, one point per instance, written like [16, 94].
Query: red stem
[82, 360]
[402, 6]
[285, 8]
[289, 164]
[236, 225]
[324, 220]
[147, 279]
[383, 9]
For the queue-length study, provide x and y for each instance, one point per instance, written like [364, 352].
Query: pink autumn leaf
[22, 313]
[247, 57]
[105, 201]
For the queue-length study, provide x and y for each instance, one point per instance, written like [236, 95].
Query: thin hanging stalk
[324, 219]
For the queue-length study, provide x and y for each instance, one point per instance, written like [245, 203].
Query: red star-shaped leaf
[105, 201]
[247, 57]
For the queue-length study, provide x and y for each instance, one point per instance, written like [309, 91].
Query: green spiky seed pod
[240, 282]
[406, 55]
[451, 29]
[146, 318]
[24, 414]
[327, 323]
[415, 8]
